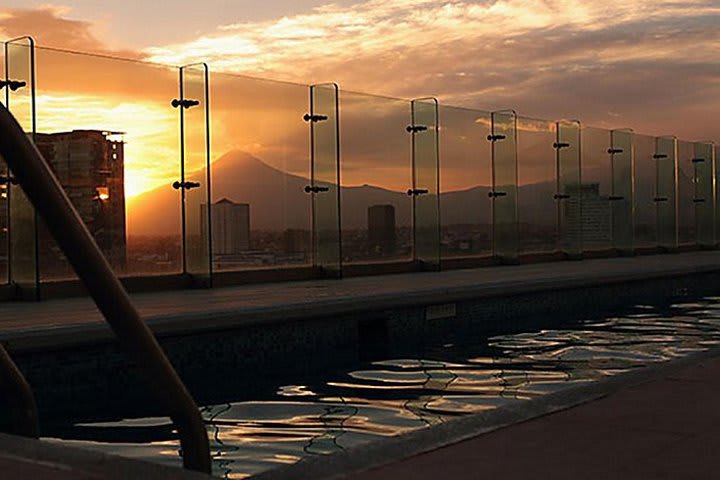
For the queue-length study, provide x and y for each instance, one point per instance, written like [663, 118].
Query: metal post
[44, 191]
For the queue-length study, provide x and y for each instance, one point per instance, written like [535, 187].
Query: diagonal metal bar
[44, 191]
[17, 396]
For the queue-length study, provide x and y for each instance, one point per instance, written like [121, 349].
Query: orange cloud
[49, 26]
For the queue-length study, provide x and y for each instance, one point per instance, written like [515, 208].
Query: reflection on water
[396, 395]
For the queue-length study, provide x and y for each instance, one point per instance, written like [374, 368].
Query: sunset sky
[650, 65]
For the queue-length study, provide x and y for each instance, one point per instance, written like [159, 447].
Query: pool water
[452, 376]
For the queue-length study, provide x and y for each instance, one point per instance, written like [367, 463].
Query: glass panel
[426, 184]
[717, 195]
[645, 208]
[325, 177]
[20, 100]
[260, 168]
[686, 193]
[376, 171]
[622, 192]
[4, 266]
[595, 189]
[704, 198]
[568, 190]
[505, 176]
[465, 181]
[666, 191]
[112, 138]
[536, 185]
[195, 186]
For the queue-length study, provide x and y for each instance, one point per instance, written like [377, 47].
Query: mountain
[278, 200]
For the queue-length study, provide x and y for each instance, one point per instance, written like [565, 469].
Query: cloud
[50, 26]
[551, 58]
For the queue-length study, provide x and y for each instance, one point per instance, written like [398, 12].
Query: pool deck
[666, 428]
[66, 322]
[659, 422]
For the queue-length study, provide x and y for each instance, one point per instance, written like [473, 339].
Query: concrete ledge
[65, 323]
[385, 451]
[24, 458]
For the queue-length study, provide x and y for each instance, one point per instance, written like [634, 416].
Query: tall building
[230, 227]
[381, 229]
[89, 164]
[587, 214]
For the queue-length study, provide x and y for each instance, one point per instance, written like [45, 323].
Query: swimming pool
[445, 376]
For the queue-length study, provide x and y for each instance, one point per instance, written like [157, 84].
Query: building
[587, 214]
[381, 229]
[230, 227]
[89, 164]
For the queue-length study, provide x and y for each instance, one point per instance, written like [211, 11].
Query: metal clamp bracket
[494, 194]
[561, 196]
[316, 189]
[559, 145]
[12, 84]
[186, 103]
[613, 151]
[185, 185]
[496, 138]
[314, 118]
[416, 128]
[417, 191]
[658, 156]
[614, 198]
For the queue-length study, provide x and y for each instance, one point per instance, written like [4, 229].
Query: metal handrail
[38, 182]
[19, 398]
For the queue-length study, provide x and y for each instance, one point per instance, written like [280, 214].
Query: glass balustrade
[376, 172]
[537, 204]
[260, 169]
[704, 198]
[21, 100]
[568, 142]
[465, 181]
[270, 175]
[426, 182]
[595, 189]
[110, 133]
[686, 193]
[666, 191]
[504, 194]
[645, 234]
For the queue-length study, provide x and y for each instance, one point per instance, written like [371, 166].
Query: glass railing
[595, 189]
[261, 213]
[465, 180]
[181, 170]
[537, 186]
[108, 129]
[375, 174]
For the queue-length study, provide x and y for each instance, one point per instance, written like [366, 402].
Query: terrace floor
[29, 325]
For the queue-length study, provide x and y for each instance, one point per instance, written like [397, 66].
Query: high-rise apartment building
[381, 229]
[230, 227]
[89, 164]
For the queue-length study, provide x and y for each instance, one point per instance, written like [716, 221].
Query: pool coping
[384, 451]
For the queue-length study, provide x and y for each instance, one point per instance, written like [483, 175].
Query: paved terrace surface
[668, 428]
[76, 320]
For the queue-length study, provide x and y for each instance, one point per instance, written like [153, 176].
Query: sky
[649, 65]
